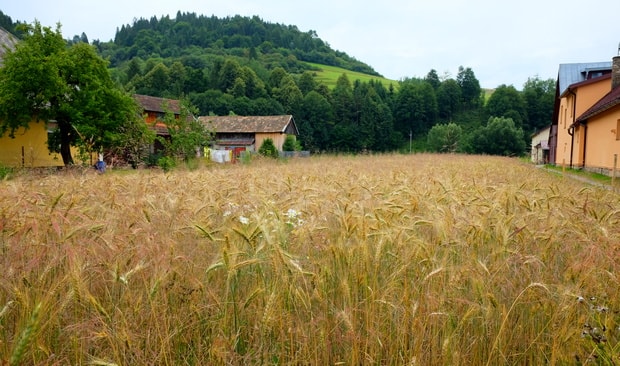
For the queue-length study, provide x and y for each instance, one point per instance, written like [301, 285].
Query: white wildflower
[294, 217]
[244, 220]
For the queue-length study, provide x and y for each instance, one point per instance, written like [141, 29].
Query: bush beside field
[391, 260]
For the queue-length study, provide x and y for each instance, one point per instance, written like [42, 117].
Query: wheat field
[368, 260]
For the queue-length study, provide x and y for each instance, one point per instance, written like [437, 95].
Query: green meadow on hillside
[328, 75]
[351, 260]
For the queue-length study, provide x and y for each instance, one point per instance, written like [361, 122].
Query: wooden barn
[247, 133]
[154, 110]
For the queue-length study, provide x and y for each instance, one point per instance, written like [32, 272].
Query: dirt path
[578, 177]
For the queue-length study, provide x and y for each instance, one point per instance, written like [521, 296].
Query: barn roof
[251, 124]
[156, 104]
[7, 41]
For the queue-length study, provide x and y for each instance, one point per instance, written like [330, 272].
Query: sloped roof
[578, 85]
[609, 101]
[569, 74]
[156, 104]
[251, 124]
[7, 41]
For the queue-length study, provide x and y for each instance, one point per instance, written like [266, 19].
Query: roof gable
[609, 101]
[251, 124]
[580, 84]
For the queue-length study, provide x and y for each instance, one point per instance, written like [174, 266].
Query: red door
[237, 153]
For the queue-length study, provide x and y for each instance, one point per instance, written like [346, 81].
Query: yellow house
[577, 99]
[29, 147]
[578, 87]
[599, 127]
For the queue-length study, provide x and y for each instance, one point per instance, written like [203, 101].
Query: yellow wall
[34, 144]
[572, 107]
[601, 141]
[29, 149]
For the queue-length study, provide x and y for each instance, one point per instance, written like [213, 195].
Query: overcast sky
[503, 42]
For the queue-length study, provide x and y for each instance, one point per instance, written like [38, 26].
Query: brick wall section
[615, 72]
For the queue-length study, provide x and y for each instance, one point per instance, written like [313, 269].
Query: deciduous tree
[539, 97]
[43, 80]
[507, 102]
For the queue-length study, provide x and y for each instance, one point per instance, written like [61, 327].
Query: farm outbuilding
[540, 146]
[247, 133]
[154, 110]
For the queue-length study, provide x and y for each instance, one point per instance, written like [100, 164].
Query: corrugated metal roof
[251, 124]
[569, 74]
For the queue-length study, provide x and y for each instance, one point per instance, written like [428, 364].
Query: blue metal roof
[570, 74]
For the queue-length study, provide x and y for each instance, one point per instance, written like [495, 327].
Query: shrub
[166, 163]
[499, 137]
[444, 138]
[291, 144]
[268, 149]
[5, 172]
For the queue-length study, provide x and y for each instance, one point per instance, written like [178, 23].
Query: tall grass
[391, 260]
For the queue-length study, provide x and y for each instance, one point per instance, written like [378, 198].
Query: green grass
[595, 177]
[328, 75]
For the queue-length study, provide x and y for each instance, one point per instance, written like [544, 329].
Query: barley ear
[25, 337]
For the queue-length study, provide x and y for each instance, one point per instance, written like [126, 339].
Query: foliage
[268, 149]
[471, 92]
[416, 107]
[499, 137]
[135, 142]
[445, 137]
[246, 66]
[44, 80]
[291, 144]
[507, 102]
[252, 38]
[187, 134]
[5, 172]
[245, 157]
[449, 99]
[12, 27]
[328, 75]
[539, 98]
[166, 163]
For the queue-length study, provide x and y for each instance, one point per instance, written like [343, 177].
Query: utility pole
[410, 134]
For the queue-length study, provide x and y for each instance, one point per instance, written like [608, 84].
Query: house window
[618, 130]
[52, 126]
[563, 118]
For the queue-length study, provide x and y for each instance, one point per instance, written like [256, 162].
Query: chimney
[615, 72]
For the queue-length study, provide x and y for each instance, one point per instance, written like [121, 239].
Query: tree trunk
[65, 143]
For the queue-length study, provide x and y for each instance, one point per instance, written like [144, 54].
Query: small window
[618, 130]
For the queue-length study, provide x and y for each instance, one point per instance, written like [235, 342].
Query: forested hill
[233, 36]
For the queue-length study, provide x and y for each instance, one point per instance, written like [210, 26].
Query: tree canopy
[45, 80]
[245, 66]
